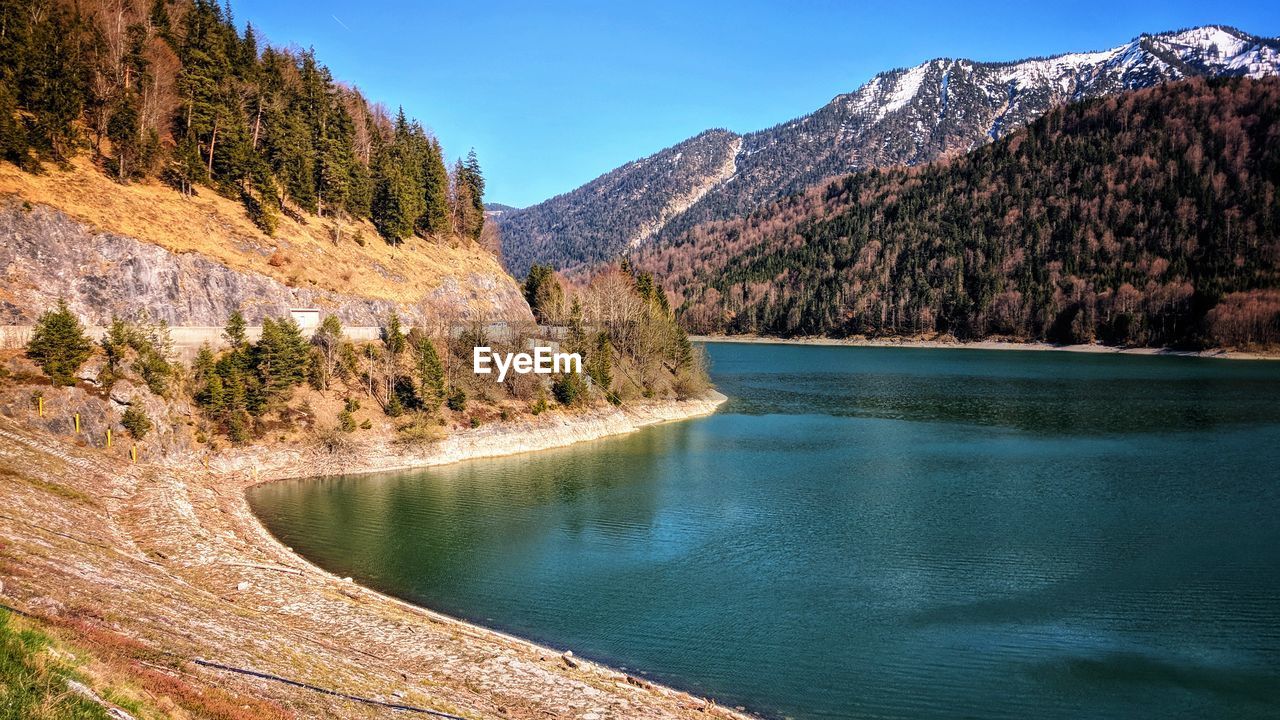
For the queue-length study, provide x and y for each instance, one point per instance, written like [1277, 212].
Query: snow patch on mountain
[680, 203]
[905, 91]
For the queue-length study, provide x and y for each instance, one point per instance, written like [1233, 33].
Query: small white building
[307, 318]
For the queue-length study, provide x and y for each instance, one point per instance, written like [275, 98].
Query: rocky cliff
[46, 254]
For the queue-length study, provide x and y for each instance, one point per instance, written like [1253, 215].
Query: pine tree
[159, 17]
[543, 292]
[59, 345]
[234, 332]
[468, 206]
[474, 180]
[599, 362]
[393, 334]
[124, 131]
[13, 136]
[202, 80]
[55, 85]
[281, 357]
[431, 385]
[435, 218]
[576, 340]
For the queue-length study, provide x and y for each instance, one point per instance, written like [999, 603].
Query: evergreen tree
[576, 340]
[393, 334]
[599, 362]
[159, 17]
[124, 131]
[468, 203]
[234, 332]
[435, 219]
[54, 82]
[267, 126]
[202, 81]
[13, 136]
[431, 385]
[473, 178]
[543, 292]
[281, 357]
[59, 345]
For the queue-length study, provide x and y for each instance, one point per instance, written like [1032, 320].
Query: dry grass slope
[307, 252]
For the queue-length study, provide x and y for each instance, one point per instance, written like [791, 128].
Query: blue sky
[553, 94]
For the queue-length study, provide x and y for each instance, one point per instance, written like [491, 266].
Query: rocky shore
[168, 557]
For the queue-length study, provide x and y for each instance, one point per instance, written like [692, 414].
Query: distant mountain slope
[1147, 218]
[903, 116]
[619, 209]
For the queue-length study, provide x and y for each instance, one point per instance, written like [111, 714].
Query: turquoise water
[873, 532]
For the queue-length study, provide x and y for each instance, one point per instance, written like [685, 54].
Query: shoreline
[1032, 346]
[186, 536]
[545, 432]
[639, 418]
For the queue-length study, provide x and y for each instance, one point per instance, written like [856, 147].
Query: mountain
[903, 116]
[495, 209]
[619, 209]
[1145, 218]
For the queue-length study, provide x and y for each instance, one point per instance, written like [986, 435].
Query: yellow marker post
[108, 438]
[77, 423]
[40, 405]
[133, 453]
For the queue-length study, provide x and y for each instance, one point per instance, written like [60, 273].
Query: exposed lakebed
[880, 532]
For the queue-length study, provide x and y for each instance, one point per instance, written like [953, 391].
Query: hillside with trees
[1149, 218]
[173, 90]
[908, 116]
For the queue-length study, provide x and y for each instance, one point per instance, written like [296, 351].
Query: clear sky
[553, 94]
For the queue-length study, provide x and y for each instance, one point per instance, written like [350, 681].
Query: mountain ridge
[1140, 219]
[900, 116]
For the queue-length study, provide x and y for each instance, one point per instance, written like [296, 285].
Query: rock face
[902, 116]
[46, 255]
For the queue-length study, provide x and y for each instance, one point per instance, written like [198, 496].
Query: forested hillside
[1148, 218]
[172, 89]
[902, 116]
[591, 225]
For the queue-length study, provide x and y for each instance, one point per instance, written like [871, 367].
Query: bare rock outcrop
[46, 255]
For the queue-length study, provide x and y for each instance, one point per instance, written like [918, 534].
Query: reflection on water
[874, 532]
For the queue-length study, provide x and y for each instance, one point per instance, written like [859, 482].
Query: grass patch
[62, 491]
[33, 682]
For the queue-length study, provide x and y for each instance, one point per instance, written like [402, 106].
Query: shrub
[394, 407]
[136, 422]
[421, 431]
[331, 440]
[346, 422]
[569, 389]
[458, 400]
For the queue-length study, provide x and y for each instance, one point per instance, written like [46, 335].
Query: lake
[873, 532]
